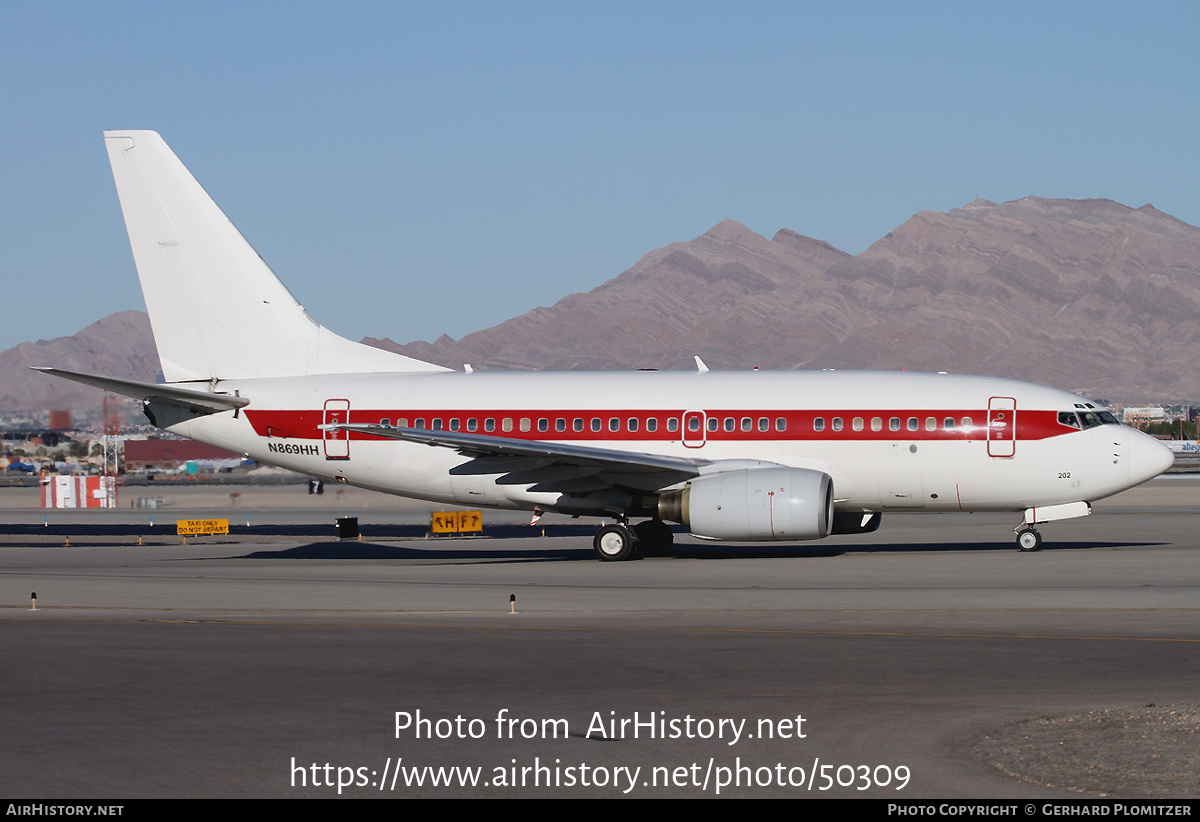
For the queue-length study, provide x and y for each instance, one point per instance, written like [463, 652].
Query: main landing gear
[614, 543]
[618, 541]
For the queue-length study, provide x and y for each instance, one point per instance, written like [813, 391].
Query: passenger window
[437, 424]
[489, 424]
[614, 424]
[730, 424]
[472, 424]
[913, 423]
[747, 424]
[506, 424]
[577, 424]
[764, 424]
[858, 424]
[694, 424]
[781, 424]
[673, 424]
[713, 424]
[837, 423]
[525, 424]
[819, 424]
[633, 424]
[560, 424]
[543, 424]
[596, 425]
[454, 423]
[948, 423]
[894, 423]
[420, 423]
[876, 423]
[931, 423]
[386, 423]
[966, 422]
[652, 424]
[402, 422]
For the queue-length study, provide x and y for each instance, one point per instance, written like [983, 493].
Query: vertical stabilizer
[217, 310]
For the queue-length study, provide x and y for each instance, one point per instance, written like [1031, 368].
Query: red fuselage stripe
[542, 424]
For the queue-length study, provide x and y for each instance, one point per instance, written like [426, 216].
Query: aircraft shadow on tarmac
[443, 550]
[477, 551]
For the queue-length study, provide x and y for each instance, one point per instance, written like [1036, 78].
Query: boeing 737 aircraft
[760, 455]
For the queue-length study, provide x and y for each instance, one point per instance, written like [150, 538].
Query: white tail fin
[217, 310]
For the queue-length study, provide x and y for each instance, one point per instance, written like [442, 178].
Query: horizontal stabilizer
[197, 401]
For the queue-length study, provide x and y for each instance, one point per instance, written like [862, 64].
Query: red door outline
[1002, 427]
[694, 439]
[337, 443]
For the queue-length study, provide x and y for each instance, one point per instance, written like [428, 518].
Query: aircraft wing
[547, 466]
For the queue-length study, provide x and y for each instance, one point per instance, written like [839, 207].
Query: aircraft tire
[1029, 540]
[654, 538]
[615, 543]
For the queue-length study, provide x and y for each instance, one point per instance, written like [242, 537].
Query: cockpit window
[1086, 419]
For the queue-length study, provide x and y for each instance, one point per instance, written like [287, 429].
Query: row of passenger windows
[650, 424]
[615, 424]
[893, 424]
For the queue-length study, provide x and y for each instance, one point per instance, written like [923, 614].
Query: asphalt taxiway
[258, 666]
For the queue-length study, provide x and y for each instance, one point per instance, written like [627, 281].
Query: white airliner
[760, 455]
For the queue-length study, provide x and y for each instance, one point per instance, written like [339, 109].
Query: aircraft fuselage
[935, 442]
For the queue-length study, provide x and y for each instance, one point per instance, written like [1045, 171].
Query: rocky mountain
[1088, 295]
[119, 345]
[712, 296]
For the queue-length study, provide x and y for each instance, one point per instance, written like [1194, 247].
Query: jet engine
[783, 504]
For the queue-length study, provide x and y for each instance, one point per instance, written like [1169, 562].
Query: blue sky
[414, 169]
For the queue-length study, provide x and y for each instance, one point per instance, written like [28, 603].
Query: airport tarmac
[927, 660]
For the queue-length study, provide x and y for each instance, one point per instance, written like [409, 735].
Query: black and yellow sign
[193, 527]
[457, 522]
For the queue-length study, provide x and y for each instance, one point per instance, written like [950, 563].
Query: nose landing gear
[1028, 539]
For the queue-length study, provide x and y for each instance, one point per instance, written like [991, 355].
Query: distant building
[60, 420]
[1144, 415]
[170, 454]
[79, 492]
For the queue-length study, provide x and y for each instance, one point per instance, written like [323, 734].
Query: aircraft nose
[1147, 457]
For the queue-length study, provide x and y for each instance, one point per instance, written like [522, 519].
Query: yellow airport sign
[195, 527]
[457, 522]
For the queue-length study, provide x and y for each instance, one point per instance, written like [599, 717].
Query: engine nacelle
[755, 504]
